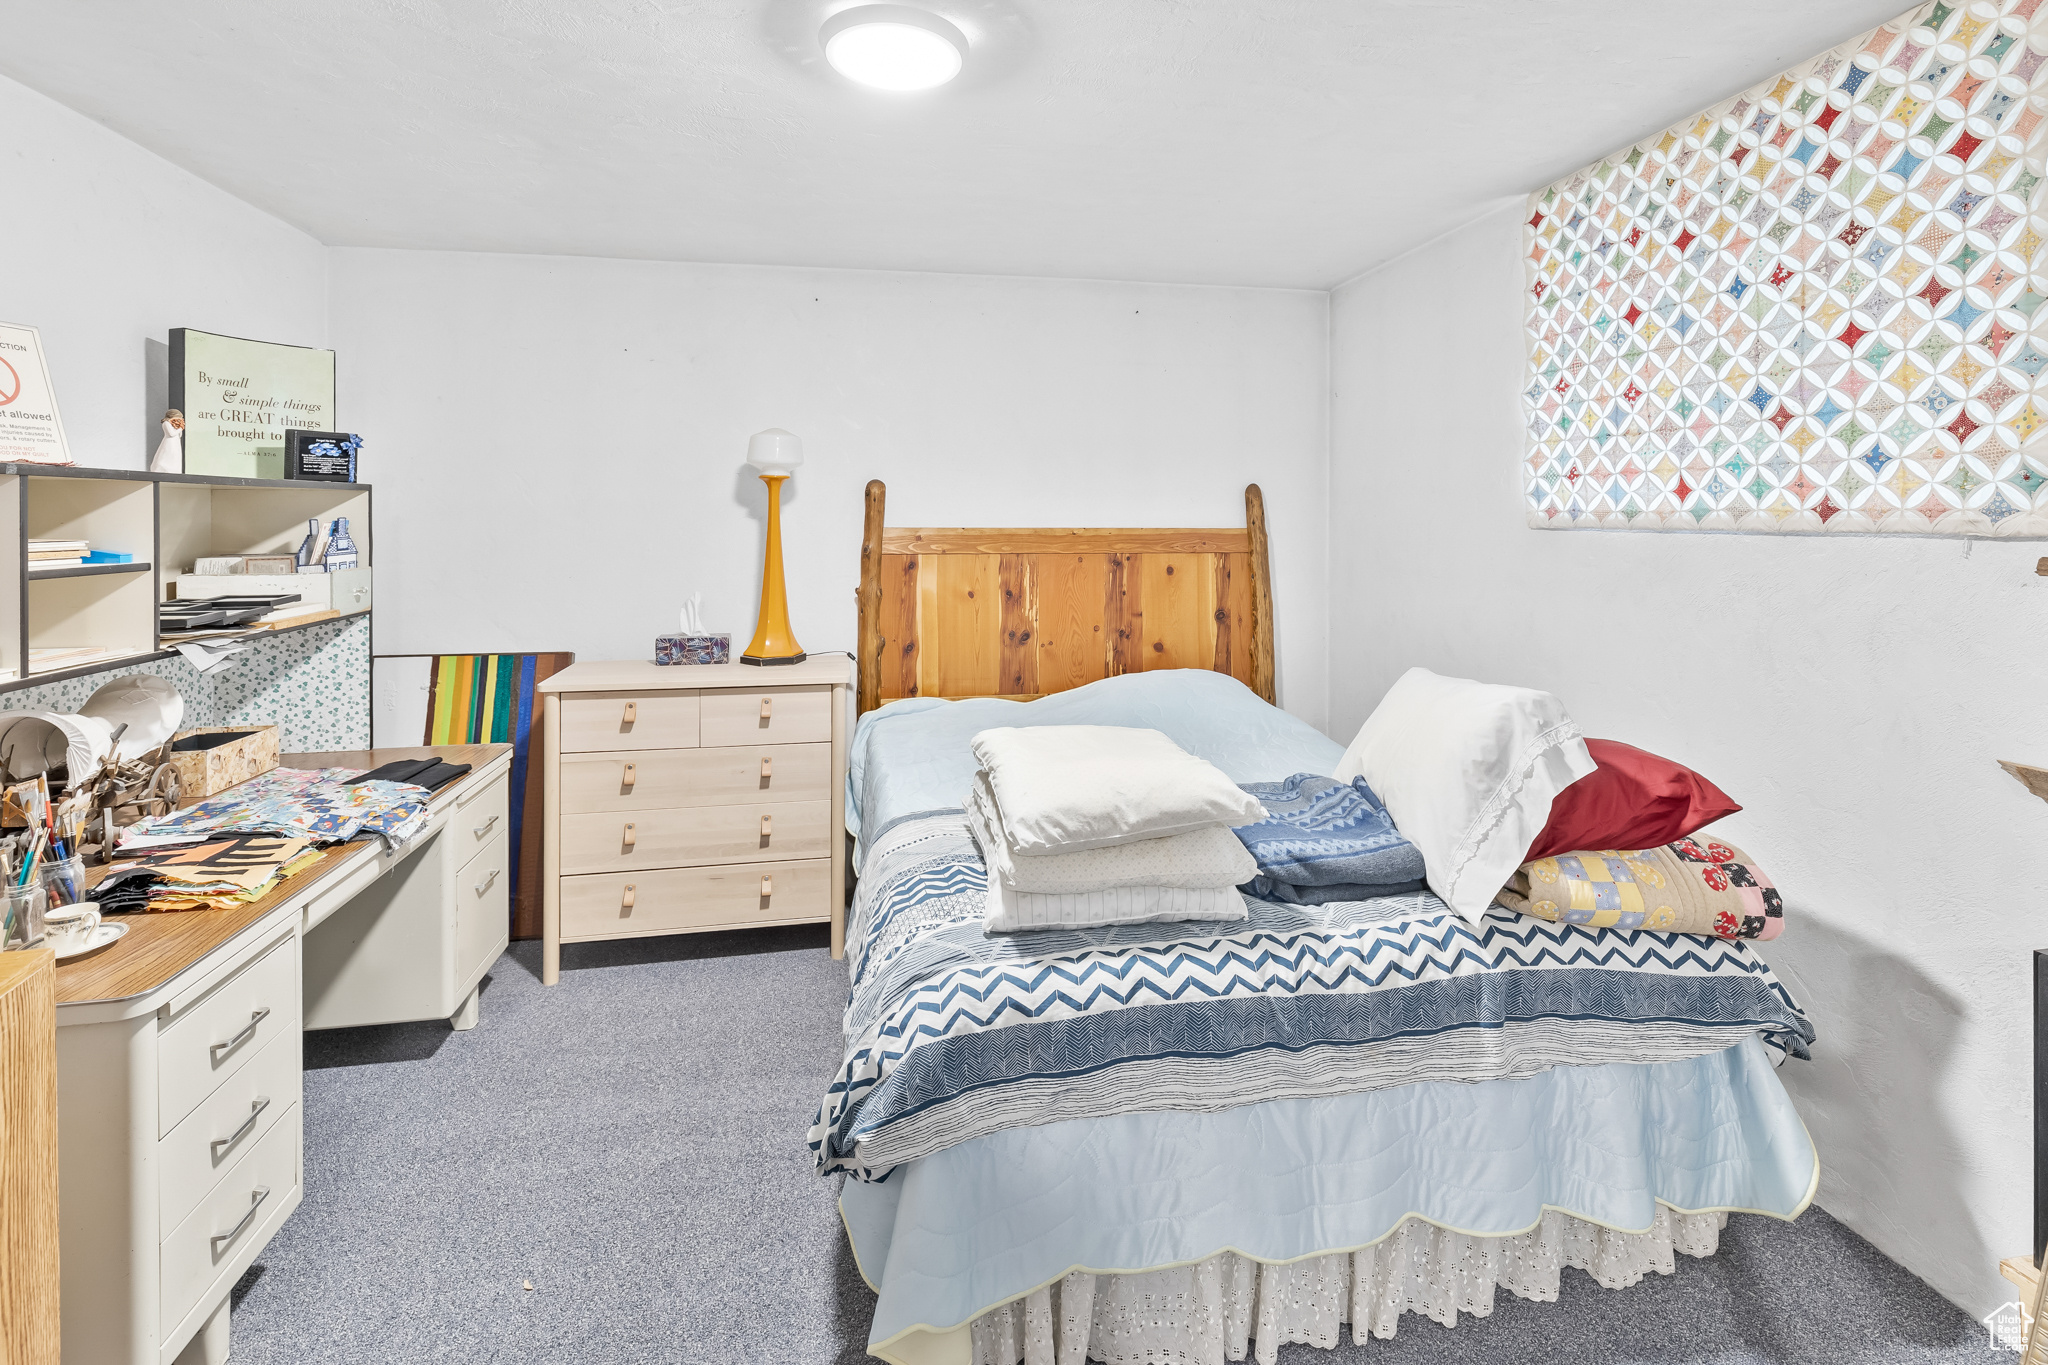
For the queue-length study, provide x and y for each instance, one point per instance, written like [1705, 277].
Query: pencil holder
[24, 916]
[64, 880]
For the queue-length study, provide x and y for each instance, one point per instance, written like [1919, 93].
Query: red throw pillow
[1632, 799]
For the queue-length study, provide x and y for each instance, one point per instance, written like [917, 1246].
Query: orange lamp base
[774, 642]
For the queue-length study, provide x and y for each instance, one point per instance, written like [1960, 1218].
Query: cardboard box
[213, 758]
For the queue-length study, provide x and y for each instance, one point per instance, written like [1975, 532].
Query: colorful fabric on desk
[488, 699]
[208, 876]
[1695, 886]
[316, 803]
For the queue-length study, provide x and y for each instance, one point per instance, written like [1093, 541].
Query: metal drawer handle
[767, 826]
[630, 835]
[220, 1050]
[256, 1198]
[485, 828]
[767, 885]
[489, 878]
[256, 1109]
[628, 717]
[767, 768]
[632, 775]
[767, 707]
[626, 901]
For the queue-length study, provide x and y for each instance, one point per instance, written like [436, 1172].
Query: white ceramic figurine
[170, 452]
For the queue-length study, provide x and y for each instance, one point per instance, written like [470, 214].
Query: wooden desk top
[644, 675]
[159, 946]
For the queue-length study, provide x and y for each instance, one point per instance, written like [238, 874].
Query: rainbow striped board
[488, 699]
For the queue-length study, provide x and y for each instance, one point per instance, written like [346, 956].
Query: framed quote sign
[30, 430]
[240, 397]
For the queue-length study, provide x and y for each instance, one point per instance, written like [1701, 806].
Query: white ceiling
[1261, 142]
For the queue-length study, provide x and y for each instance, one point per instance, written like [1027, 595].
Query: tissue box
[693, 649]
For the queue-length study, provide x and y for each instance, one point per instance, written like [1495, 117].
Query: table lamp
[776, 454]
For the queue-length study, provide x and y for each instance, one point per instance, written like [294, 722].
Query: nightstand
[691, 798]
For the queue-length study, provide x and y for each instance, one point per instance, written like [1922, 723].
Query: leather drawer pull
[767, 885]
[767, 707]
[767, 826]
[767, 769]
[626, 901]
[632, 775]
[631, 835]
[629, 716]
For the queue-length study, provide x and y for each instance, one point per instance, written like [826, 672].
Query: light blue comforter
[957, 1233]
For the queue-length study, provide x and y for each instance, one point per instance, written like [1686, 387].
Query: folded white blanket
[1009, 911]
[1065, 788]
[1203, 859]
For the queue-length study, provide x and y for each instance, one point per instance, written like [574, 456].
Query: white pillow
[1468, 771]
[1064, 788]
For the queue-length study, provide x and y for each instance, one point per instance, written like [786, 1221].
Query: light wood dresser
[688, 798]
[28, 1157]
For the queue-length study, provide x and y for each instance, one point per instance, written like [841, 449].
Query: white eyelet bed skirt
[1229, 1306]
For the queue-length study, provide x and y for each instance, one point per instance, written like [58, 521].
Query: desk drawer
[657, 780]
[695, 835]
[483, 909]
[478, 820]
[199, 1252]
[682, 899]
[225, 1031]
[599, 721]
[795, 715]
[226, 1126]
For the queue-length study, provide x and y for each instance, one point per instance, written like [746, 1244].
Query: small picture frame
[322, 456]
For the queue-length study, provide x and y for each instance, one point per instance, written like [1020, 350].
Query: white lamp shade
[775, 451]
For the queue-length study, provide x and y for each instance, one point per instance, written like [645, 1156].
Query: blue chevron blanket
[1324, 840]
[952, 1034]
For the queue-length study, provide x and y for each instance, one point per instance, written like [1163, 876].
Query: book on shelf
[58, 547]
[71, 563]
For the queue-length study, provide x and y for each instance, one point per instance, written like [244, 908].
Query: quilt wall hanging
[1814, 307]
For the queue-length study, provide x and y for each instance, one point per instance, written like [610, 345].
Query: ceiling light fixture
[893, 47]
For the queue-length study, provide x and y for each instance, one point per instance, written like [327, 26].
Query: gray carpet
[631, 1142]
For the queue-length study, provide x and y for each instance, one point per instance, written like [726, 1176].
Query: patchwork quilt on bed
[952, 1034]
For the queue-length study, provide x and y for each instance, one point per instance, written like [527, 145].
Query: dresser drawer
[694, 835]
[226, 1126]
[478, 820]
[669, 901]
[215, 1243]
[659, 780]
[796, 715]
[225, 1031]
[599, 721]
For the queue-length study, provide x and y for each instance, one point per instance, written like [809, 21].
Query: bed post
[1262, 593]
[868, 598]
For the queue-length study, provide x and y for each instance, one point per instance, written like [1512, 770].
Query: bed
[1199, 1142]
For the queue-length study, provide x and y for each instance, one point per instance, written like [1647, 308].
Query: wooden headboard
[1024, 612]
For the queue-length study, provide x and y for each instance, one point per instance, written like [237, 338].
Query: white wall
[558, 444]
[1853, 694]
[108, 247]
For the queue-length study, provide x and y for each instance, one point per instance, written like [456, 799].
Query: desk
[178, 1059]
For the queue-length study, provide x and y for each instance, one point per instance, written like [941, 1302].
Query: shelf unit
[166, 521]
